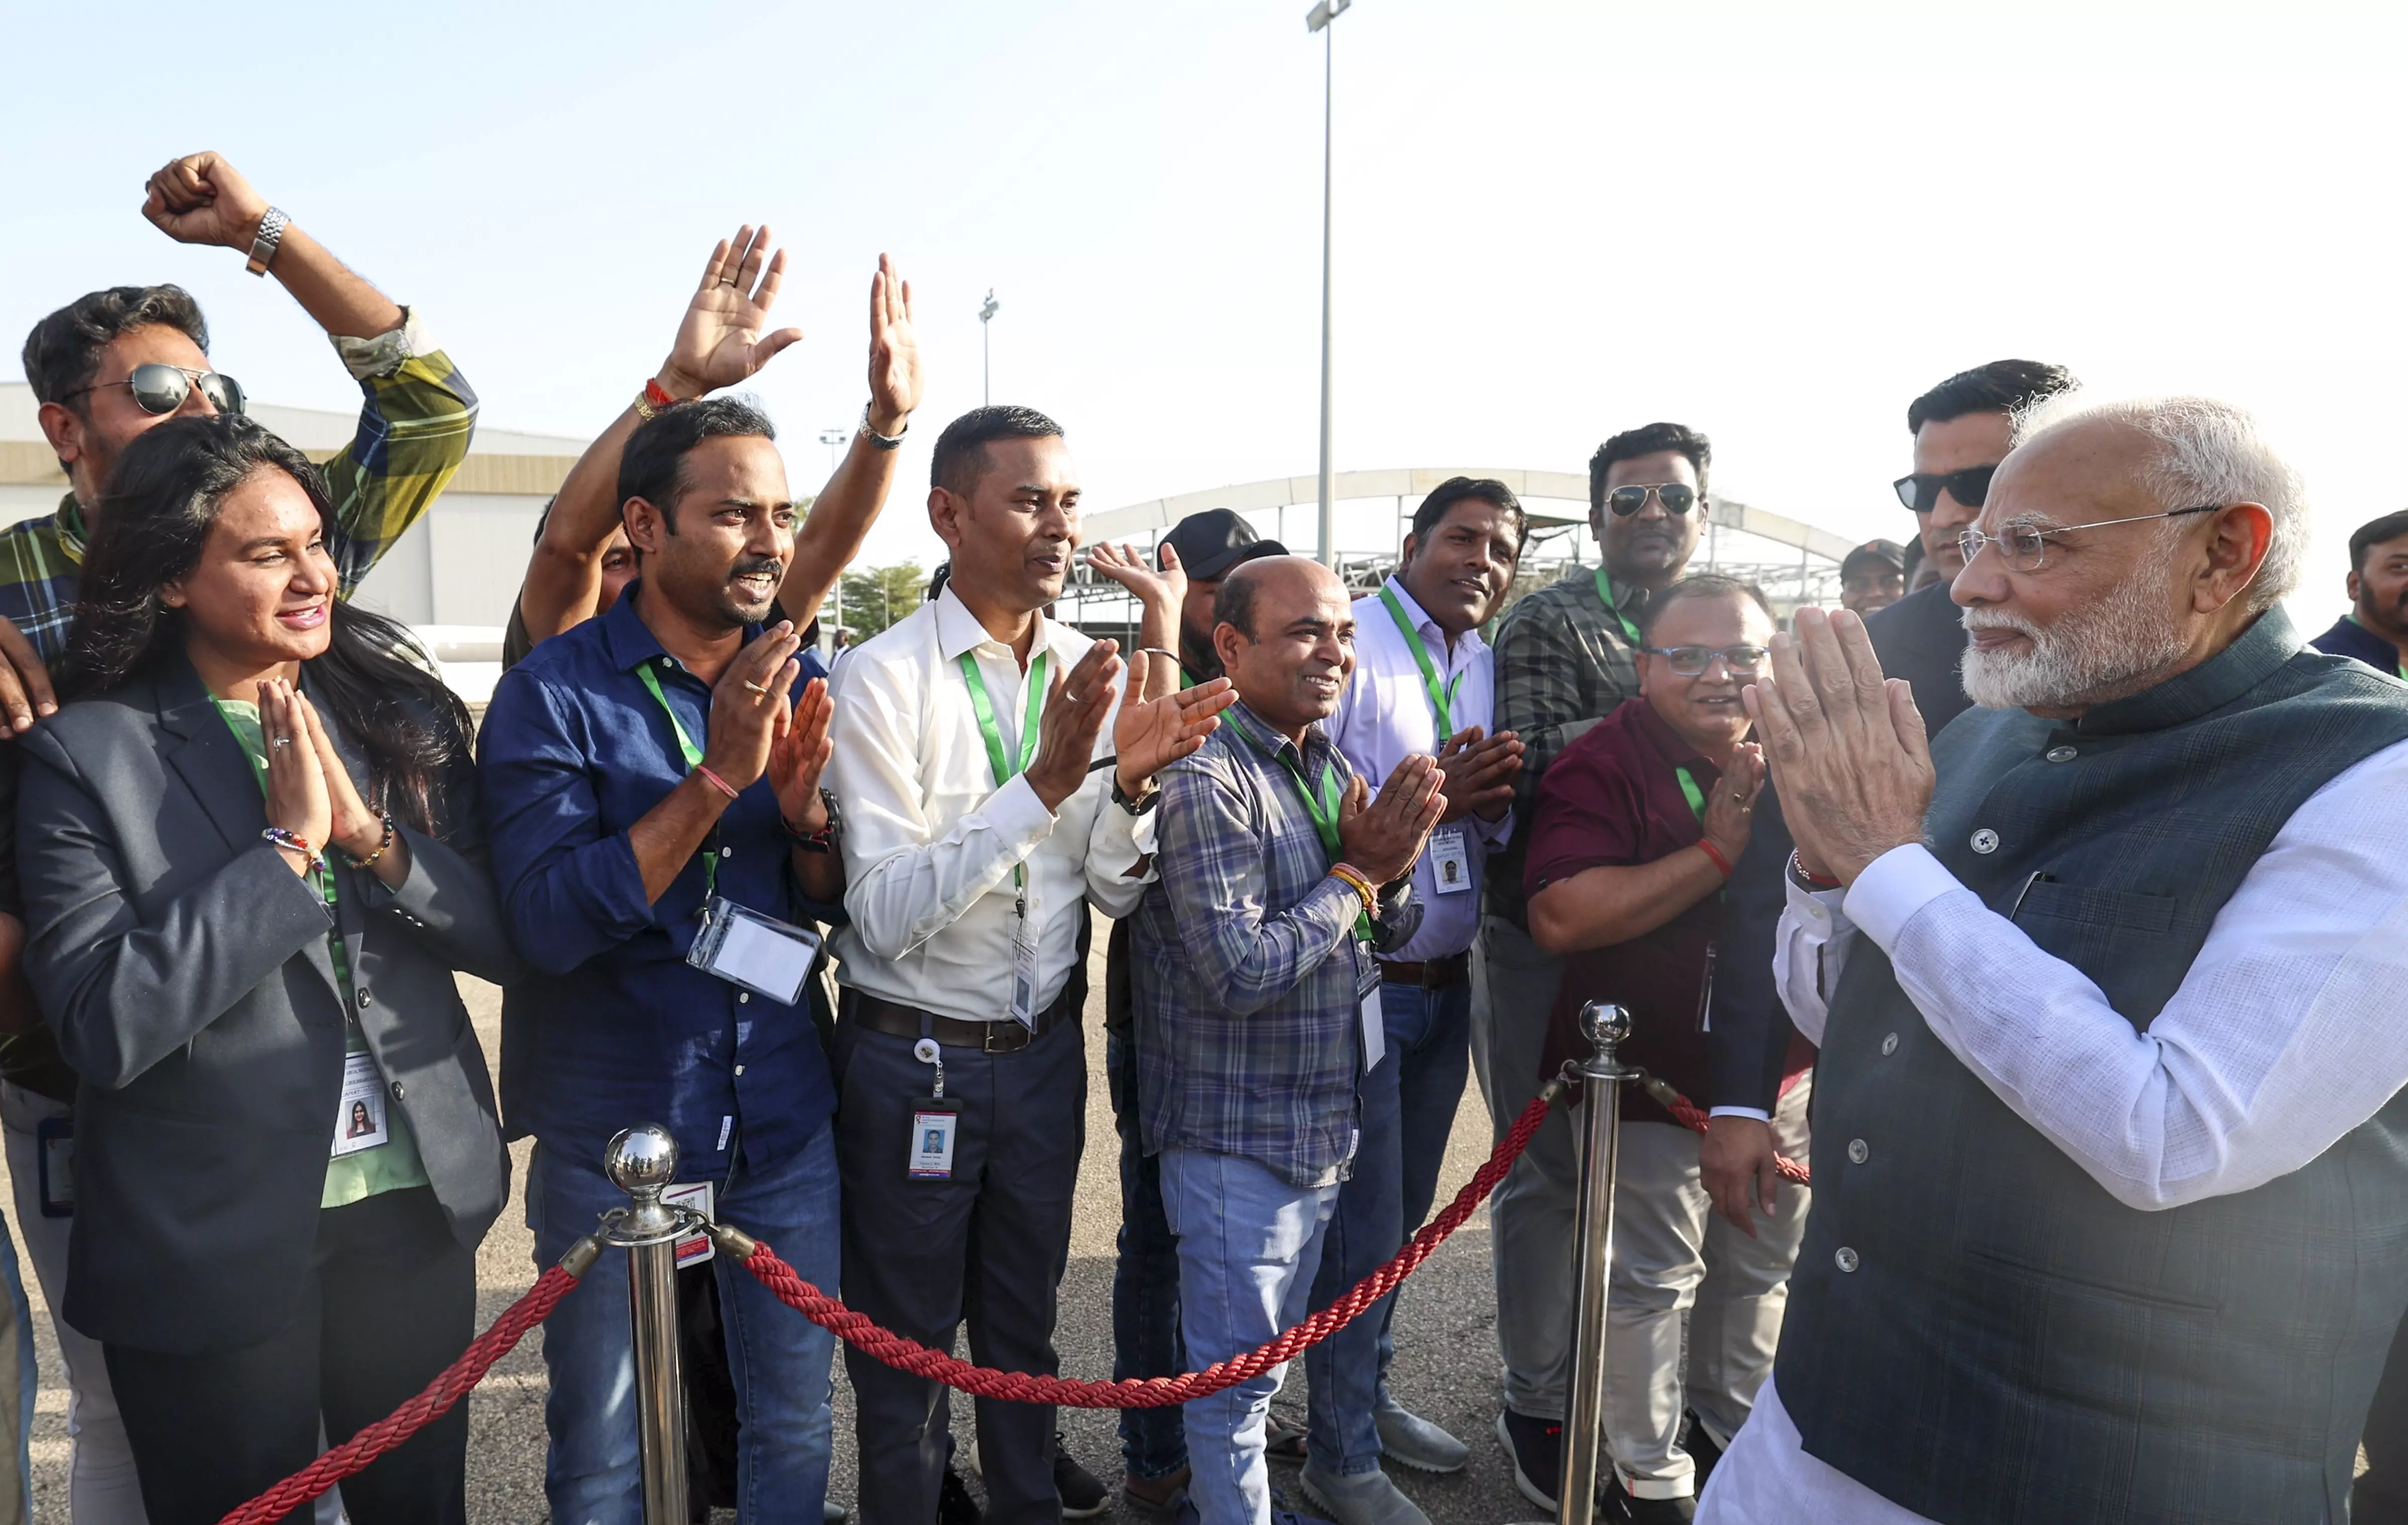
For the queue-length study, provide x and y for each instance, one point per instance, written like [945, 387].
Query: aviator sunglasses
[1678, 498]
[162, 389]
[1921, 492]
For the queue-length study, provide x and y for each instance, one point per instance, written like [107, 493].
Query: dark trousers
[1145, 1285]
[391, 1300]
[2381, 1496]
[985, 1246]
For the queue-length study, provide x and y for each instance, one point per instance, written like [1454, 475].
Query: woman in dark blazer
[251, 863]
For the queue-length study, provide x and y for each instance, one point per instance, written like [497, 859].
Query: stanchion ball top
[1604, 1024]
[641, 1159]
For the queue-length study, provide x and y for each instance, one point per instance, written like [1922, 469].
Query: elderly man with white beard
[2111, 1165]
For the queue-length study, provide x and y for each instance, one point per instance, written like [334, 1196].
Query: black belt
[1003, 1037]
[1432, 975]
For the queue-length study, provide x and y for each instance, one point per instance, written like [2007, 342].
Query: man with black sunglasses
[1962, 428]
[1566, 657]
[105, 368]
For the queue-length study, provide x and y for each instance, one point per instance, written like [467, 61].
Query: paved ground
[1446, 1360]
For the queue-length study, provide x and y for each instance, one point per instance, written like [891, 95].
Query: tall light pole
[832, 438]
[986, 315]
[1318, 19]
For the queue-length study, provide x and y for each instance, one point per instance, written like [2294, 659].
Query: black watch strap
[1135, 807]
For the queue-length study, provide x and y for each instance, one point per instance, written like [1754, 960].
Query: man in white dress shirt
[1424, 684]
[2109, 1159]
[983, 813]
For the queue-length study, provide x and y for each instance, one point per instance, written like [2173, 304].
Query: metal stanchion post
[1602, 1076]
[642, 1163]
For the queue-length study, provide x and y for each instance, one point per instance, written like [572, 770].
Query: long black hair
[164, 498]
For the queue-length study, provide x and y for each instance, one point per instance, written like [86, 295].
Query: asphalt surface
[1446, 1366]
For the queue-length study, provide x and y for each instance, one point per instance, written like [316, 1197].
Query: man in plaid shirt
[1257, 1001]
[105, 368]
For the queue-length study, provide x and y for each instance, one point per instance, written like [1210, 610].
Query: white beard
[2103, 651]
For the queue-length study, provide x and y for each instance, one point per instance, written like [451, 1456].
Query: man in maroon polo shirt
[1637, 824]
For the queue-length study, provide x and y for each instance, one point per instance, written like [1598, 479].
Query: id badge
[1375, 1028]
[760, 954]
[360, 1121]
[694, 1248]
[1450, 861]
[935, 1121]
[54, 1155]
[1023, 973]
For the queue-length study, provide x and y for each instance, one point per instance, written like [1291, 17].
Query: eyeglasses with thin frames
[2024, 547]
[1695, 661]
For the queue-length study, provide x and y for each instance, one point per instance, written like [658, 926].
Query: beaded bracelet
[369, 861]
[295, 842]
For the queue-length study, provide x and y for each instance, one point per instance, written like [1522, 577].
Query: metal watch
[824, 841]
[882, 441]
[264, 243]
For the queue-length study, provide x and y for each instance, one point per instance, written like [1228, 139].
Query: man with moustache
[1638, 824]
[1198, 552]
[1873, 576]
[645, 775]
[977, 830]
[2110, 1139]
[1962, 430]
[1258, 995]
[1423, 686]
[1566, 657]
[2376, 629]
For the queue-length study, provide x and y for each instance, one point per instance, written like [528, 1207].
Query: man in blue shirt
[2376, 629]
[633, 768]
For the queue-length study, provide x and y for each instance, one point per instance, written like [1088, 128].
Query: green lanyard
[692, 756]
[1324, 810]
[324, 873]
[1004, 769]
[1441, 696]
[1605, 591]
[1696, 796]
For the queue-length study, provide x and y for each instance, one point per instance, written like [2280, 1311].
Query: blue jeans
[1248, 1245]
[1145, 1285]
[1409, 1104]
[779, 1359]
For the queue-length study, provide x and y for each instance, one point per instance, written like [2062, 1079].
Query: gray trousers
[985, 1246]
[1531, 1216]
[1674, 1255]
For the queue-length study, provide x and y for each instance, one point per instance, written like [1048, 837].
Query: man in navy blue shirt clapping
[651, 778]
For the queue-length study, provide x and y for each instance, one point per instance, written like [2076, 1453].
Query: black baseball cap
[1888, 551]
[1210, 542]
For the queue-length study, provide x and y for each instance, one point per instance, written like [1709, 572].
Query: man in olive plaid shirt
[105, 368]
[1566, 658]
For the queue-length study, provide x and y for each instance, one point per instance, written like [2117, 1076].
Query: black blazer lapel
[203, 751]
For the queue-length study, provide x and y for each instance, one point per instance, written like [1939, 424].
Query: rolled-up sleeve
[569, 889]
[414, 430]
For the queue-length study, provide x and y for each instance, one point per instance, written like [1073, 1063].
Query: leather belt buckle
[1008, 1029]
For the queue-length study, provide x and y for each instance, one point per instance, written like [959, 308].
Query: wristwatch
[824, 840]
[1135, 807]
[883, 441]
[264, 242]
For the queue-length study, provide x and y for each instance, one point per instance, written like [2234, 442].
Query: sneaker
[1283, 1441]
[1536, 1447]
[1362, 1497]
[1699, 1443]
[954, 1505]
[1083, 1497]
[1161, 1495]
[1621, 1506]
[1415, 1441]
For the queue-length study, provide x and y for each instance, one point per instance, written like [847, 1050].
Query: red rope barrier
[1137, 1392]
[431, 1404]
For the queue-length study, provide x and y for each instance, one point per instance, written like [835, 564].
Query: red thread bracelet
[716, 782]
[656, 393]
[1716, 853]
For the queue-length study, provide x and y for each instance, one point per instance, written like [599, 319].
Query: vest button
[1985, 840]
[1844, 1258]
[1858, 1151]
[1889, 1045]
[2062, 754]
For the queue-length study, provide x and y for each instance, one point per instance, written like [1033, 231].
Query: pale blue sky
[1775, 222]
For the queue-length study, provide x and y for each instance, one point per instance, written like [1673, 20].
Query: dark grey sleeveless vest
[1977, 1331]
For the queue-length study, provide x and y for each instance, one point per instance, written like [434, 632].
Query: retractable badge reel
[934, 1120]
